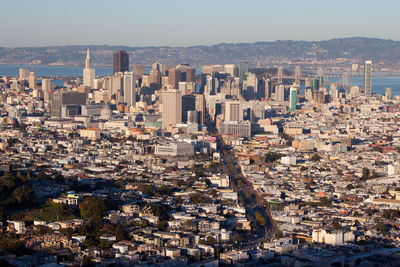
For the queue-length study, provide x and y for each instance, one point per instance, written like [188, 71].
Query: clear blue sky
[192, 22]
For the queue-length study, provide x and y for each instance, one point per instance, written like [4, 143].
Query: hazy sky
[192, 22]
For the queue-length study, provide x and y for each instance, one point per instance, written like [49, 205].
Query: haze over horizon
[177, 23]
[194, 45]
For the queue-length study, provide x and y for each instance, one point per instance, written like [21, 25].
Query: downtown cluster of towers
[182, 99]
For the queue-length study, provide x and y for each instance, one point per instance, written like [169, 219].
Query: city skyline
[204, 23]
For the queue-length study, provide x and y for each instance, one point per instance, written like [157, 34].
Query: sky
[25, 23]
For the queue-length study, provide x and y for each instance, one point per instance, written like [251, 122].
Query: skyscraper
[23, 74]
[174, 77]
[46, 85]
[280, 74]
[231, 69]
[190, 75]
[388, 93]
[201, 108]
[32, 81]
[121, 61]
[88, 72]
[171, 107]
[280, 93]
[368, 78]
[243, 69]
[233, 111]
[155, 79]
[293, 98]
[130, 88]
[188, 104]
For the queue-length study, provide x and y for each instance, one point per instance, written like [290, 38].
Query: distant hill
[355, 49]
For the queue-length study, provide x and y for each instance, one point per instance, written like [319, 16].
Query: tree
[160, 211]
[349, 187]
[87, 262]
[259, 218]
[93, 208]
[381, 227]
[315, 157]
[210, 240]
[325, 201]
[246, 194]
[336, 225]
[279, 234]
[365, 173]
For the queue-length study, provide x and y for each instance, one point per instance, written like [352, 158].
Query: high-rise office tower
[201, 108]
[388, 93]
[314, 84]
[233, 111]
[88, 72]
[280, 93]
[130, 88]
[121, 61]
[23, 74]
[174, 77]
[267, 89]
[138, 70]
[117, 84]
[171, 107]
[46, 85]
[32, 81]
[190, 75]
[210, 85]
[156, 66]
[155, 79]
[280, 74]
[183, 88]
[188, 103]
[292, 98]
[243, 69]
[60, 99]
[368, 78]
[297, 74]
[250, 92]
[320, 78]
[231, 69]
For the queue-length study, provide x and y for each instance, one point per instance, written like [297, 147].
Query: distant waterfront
[378, 83]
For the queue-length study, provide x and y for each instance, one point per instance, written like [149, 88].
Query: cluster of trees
[272, 156]
[198, 198]
[13, 245]
[150, 190]
[391, 214]
[15, 192]
[93, 209]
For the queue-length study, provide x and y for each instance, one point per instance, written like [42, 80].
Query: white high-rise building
[183, 87]
[388, 93]
[88, 72]
[233, 111]
[130, 88]
[32, 81]
[368, 78]
[232, 69]
[280, 93]
[46, 85]
[23, 74]
[171, 107]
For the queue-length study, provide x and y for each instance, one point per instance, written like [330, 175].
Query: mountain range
[343, 50]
